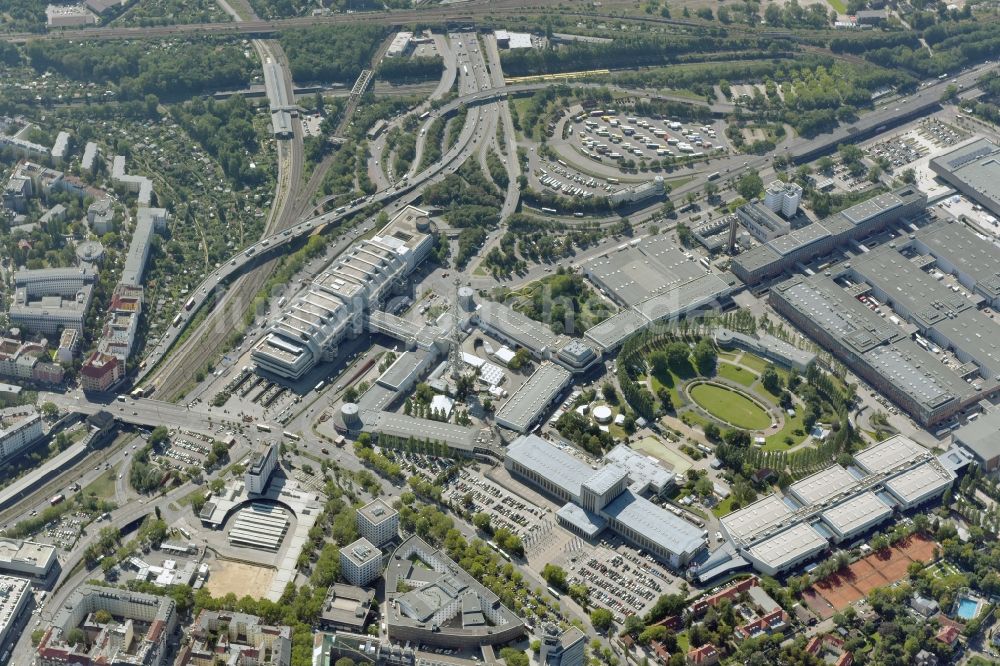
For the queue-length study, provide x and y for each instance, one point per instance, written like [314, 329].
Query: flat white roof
[788, 546]
[886, 455]
[920, 483]
[822, 485]
[857, 513]
[750, 519]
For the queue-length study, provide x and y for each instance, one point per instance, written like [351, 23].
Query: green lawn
[736, 374]
[776, 442]
[103, 487]
[654, 447]
[683, 643]
[730, 406]
[838, 5]
[754, 362]
[723, 507]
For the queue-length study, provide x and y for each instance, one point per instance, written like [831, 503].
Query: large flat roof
[976, 335]
[528, 401]
[920, 483]
[921, 375]
[888, 454]
[549, 461]
[822, 485]
[401, 425]
[819, 299]
[523, 330]
[927, 299]
[857, 513]
[613, 331]
[749, 520]
[971, 253]
[798, 541]
[672, 533]
[980, 436]
[974, 167]
[646, 267]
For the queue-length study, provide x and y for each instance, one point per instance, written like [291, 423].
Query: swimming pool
[967, 608]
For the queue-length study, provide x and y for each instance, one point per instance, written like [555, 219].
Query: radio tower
[456, 336]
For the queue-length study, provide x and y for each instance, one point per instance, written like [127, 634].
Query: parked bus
[58, 499]
[562, 163]
[319, 385]
[713, 176]
[553, 592]
[425, 115]
[263, 427]
[291, 435]
[550, 211]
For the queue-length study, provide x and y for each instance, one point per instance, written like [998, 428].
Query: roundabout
[729, 405]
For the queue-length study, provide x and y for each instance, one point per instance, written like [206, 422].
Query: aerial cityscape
[496, 332]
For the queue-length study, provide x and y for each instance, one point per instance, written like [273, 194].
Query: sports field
[730, 406]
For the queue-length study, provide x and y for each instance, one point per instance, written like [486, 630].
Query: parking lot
[504, 508]
[610, 135]
[620, 578]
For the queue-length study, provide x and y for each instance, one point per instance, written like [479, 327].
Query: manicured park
[730, 406]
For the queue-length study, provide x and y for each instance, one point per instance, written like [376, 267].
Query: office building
[400, 45]
[562, 648]
[783, 198]
[638, 193]
[20, 427]
[347, 608]
[234, 638]
[15, 595]
[762, 221]
[48, 299]
[802, 245]
[443, 605]
[974, 170]
[605, 498]
[378, 522]
[335, 305]
[258, 472]
[138, 633]
[766, 346]
[360, 562]
[516, 329]
[26, 558]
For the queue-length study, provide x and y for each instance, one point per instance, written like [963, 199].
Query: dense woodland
[334, 54]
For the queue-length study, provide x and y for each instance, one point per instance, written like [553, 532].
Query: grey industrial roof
[914, 289]
[523, 330]
[752, 518]
[971, 253]
[756, 258]
[866, 210]
[799, 238]
[586, 522]
[976, 166]
[822, 485]
[533, 396]
[799, 540]
[819, 299]
[887, 454]
[613, 331]
[400, 425]
[980, 436]
[549, 461]
[605, 478]
[976, 335]
[857, 512]
[649, 267]
[687, 296]
[642, 469]
[402, 369]
[669, 532]
[921, 375]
